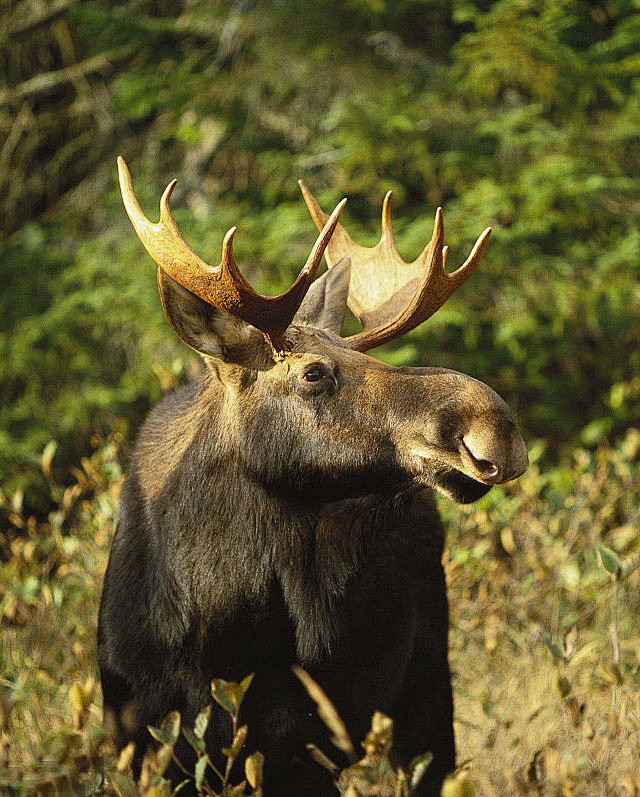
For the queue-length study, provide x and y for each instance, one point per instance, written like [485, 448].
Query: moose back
[279, 510]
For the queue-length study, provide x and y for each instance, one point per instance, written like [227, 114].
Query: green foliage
[522, 115]
[67, 351]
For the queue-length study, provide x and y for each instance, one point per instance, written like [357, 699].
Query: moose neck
[310, 544]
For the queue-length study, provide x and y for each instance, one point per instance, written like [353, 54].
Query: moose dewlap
[279, 510]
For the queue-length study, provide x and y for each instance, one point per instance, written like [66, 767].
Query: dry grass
[546, 642]
[50, 581]
[546, 670]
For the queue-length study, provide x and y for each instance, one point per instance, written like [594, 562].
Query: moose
[280, 510]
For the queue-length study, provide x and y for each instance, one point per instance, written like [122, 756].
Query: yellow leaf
[253, 767]
[77, 697]
[16, 501]
[47, 457]
[491, 632]
[507, 540]
[327, 713]
[125, 758]
[458, 786]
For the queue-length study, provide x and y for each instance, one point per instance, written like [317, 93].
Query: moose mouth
[458, 486]
[448, 479]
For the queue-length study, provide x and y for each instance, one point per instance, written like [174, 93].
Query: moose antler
[222, 286]
[388, 296]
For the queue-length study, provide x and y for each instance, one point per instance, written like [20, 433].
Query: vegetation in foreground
[545, 648]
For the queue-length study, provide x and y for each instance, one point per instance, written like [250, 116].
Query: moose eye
[313, 375]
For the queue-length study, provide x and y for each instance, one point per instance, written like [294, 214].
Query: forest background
[522, 115]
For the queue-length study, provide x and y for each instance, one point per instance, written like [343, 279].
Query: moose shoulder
[275, 511]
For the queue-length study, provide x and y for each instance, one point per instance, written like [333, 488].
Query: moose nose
[487, 469]
[494, 456]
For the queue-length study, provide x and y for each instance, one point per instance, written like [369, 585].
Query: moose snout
[494, 452]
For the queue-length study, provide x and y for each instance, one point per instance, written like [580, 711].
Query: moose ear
[209, 331]
[325, 304]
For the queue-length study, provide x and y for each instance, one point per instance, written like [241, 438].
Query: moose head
[310, 408]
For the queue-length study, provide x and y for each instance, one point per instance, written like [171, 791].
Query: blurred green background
[519, 114]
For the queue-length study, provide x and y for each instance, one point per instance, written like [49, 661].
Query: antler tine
[387, 229]
[313, 261]
[228, 264]
[434, 256]
[222, 286]
[340, 238]
[388, 295]
[471, 263]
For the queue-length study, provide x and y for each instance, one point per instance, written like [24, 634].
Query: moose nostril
[487, 468]
[484, 467]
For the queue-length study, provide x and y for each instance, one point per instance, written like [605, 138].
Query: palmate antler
[222, 286]
[388, 296]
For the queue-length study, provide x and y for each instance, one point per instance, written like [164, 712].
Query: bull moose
[280, 510]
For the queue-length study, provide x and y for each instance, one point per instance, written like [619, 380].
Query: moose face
[306, 409]
[336, 412]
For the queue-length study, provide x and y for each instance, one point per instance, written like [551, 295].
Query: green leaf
[223, 693]
[610, 560]
[553, 647]
[365, 772]
[197, 744]
[123, 784]
[202, 722]
[171, 726]
[385, 770]
[418, 767]
[201, 766]
[156, 733]
[169, 730]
